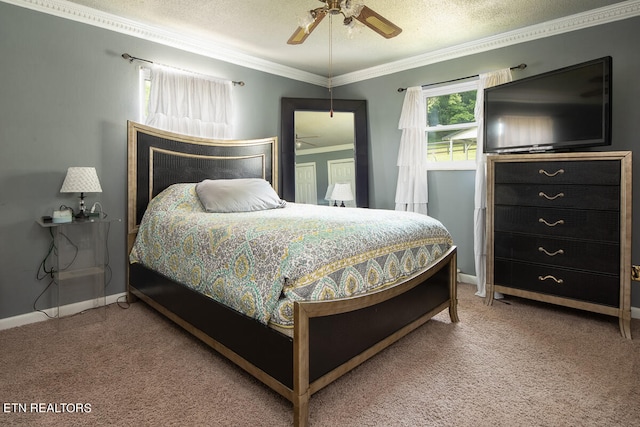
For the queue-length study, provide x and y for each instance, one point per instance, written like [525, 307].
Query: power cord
[123, 304]
[43, 264]
[101, 212]
[52, 281]
[44, 272]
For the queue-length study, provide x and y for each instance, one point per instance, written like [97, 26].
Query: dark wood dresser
[559, 230]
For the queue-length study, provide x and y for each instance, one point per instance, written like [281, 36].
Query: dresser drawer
[602, 172]
[559, 196]
[583, 224]
[590, 287]
[577, 254]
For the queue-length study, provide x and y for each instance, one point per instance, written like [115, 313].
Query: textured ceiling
[261, 28]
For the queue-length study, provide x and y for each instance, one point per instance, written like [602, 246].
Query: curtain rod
[133, 58]
[517, 67]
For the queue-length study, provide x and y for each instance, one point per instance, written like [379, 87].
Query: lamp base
[81, 216]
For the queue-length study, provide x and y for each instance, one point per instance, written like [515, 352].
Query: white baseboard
[467, 278]
[36, 316]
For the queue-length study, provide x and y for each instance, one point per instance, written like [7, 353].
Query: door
[306, 187]
[343, 170]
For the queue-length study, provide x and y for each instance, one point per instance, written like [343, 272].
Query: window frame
[144, 78]
[446, 90]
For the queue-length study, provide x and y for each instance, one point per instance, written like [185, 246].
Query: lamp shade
[342, 191]
[81, 180]
[329, 192]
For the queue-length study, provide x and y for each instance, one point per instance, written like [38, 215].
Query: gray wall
[451, 193]
[65, 97]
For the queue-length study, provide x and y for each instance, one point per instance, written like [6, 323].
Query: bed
[272, 325]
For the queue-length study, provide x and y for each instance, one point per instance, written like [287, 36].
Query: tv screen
[559, 110]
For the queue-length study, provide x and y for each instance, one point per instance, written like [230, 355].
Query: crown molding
[86, 15]
[592, 18]
[90, 16]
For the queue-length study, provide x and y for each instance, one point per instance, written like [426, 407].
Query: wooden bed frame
[329, 338]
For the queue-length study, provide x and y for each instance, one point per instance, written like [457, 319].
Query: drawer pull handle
[542, 279]
[558, 252]
[544, 172]
[551, 224]
[541, 194]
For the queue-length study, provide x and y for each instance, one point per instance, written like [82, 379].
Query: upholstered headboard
[157, 159]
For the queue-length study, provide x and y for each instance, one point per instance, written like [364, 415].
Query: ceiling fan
[301, 140]
[350, 9]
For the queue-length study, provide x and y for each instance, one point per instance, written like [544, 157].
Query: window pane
[455, 143]
[452, 145]
[147, 95]
[451, 109]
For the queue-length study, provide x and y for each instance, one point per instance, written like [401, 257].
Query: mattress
[260, 262]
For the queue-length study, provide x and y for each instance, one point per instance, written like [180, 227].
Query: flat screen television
[560, 110]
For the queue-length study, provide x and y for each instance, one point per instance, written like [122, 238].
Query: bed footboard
[333, 337]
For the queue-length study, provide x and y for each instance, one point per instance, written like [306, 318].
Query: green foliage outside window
[452, 143]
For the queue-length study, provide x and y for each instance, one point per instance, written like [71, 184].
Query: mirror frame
[288, 148]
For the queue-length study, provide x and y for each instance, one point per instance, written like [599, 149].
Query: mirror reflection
[320, 126]
[324, 158]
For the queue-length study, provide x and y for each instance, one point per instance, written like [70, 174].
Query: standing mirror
[319, 151]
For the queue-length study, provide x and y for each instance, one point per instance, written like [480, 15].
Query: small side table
[80, 253]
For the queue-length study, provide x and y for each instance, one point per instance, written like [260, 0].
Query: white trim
[207, 48]
[467, 278]
[86, 15]
[446, 89]
[326, 149]
[36, 316]
[460, 165]
[592, 18]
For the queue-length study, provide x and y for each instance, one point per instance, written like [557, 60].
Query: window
[451, 126]
[145, 91]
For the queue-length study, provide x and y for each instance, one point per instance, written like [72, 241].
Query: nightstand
[80, 264]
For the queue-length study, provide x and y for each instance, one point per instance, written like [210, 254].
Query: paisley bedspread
[259, 262]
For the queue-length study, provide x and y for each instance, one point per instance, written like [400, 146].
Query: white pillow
[237, 195]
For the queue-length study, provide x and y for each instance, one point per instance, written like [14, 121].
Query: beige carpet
[516, 364]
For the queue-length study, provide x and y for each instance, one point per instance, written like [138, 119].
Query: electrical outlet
[635, 272]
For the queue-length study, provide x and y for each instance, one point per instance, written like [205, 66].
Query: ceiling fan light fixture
[354, 27]
[306, 21]
[351, 7]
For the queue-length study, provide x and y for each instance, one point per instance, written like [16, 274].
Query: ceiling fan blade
[301, 141]
[378, 23]
[300, 34]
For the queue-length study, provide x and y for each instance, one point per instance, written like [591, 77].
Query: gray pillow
[237, 195]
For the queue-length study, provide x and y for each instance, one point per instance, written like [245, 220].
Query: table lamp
[342, 192]
[81, 180]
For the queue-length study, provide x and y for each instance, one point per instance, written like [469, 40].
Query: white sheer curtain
[480, 203]
[190, 104]
[411, 190]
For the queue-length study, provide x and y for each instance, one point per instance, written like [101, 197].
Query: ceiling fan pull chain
[330, 65]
